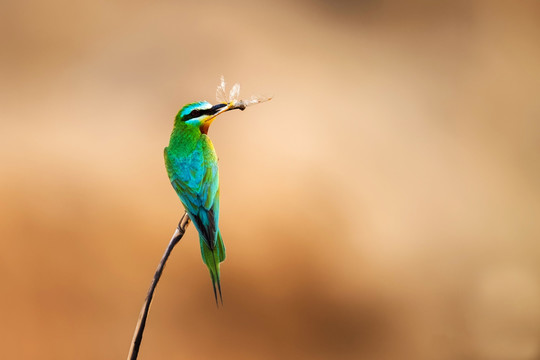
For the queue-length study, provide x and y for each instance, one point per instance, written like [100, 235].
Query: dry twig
[141, 323]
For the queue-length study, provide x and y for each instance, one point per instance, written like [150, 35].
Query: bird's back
[193, 170]
[192, 167]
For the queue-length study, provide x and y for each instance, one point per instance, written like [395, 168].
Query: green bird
[192, 166]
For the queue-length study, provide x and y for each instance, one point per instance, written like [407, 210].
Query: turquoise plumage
[191, 163]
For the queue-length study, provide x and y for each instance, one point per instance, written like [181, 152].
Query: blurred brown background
[385, 204]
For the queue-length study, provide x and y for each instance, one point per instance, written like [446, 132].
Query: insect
[232, 97]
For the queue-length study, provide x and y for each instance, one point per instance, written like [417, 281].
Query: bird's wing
[196, 181]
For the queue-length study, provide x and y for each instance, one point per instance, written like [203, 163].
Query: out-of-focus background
[384, 205]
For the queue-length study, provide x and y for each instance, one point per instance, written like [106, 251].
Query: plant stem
[141, 323]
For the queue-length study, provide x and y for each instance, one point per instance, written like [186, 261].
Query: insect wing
[234, 94]
[221, 94]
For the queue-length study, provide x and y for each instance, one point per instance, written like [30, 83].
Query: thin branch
[141, 323]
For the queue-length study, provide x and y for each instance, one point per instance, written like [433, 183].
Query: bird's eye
[195, 113]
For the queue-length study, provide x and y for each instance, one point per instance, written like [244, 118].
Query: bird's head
[201, 114]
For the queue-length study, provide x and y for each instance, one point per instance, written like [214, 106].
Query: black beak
[216, 108]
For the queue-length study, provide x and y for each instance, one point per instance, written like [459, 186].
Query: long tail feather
[212, 258]
[214, 286]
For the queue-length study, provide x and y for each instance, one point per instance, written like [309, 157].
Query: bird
[192, 167]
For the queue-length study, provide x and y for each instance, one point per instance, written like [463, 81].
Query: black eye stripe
[196, 113]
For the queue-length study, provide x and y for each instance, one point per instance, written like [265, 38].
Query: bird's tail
[212, 258]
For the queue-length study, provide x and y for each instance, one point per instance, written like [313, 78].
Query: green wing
[196, 181]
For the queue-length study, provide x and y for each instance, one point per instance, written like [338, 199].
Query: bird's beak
[220, 108]
[215, 111]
